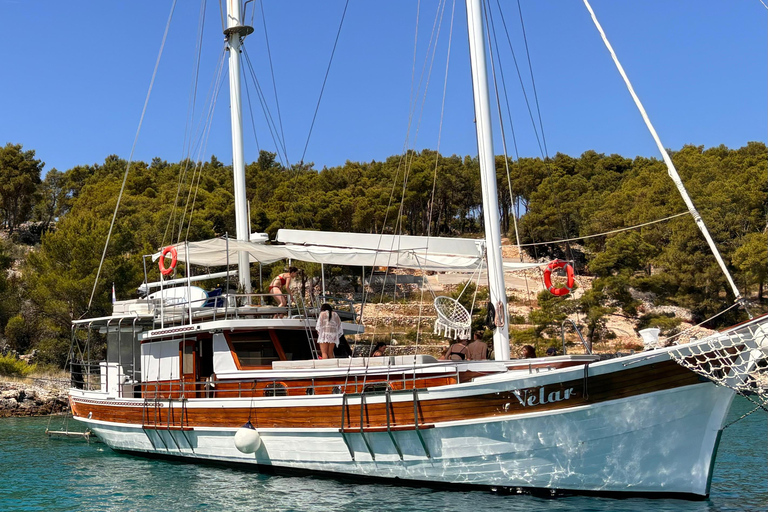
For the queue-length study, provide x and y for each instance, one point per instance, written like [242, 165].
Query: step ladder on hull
[166, 415]
[347, 428]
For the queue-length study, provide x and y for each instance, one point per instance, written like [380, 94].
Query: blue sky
[76, 75]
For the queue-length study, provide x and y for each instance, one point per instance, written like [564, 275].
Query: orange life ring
[168, 271]
[559, 292]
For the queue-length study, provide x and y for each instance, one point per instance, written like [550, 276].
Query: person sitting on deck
[282, 282]
[478, 349]
[379, 349]
[458, 351]
[328, 331]
[527, 352]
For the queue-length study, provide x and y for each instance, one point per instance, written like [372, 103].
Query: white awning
[217, 252]
[352, 249]
[370, 250]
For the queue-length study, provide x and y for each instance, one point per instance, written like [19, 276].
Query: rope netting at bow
[737, 359]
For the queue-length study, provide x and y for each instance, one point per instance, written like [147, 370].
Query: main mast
[498, 295]
[235, 32]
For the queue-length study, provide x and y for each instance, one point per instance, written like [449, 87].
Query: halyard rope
[130, 159]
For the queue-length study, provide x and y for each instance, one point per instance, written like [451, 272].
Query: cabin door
[188, 369]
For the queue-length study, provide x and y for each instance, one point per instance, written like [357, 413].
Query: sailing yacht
[229, 380]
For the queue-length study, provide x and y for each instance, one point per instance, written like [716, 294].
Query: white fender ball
[247, 440]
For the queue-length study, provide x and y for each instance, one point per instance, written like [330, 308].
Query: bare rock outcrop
[31, 399]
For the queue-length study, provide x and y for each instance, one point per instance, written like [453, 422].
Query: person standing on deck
[328, 331]
[478, 349]
[282, 282]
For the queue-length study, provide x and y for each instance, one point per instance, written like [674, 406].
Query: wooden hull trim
[518, 394]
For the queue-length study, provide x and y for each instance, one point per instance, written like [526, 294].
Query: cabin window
[254, 349]
[295, 343]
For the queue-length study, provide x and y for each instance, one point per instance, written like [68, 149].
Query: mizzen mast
[235, 33]
[486, 156]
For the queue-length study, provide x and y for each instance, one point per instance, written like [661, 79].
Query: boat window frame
[231, 338]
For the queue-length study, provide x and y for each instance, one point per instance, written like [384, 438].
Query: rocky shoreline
[32, 397]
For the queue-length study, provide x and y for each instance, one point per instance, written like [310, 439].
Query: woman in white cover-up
[328, 330]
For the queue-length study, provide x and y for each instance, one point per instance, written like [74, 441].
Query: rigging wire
[541, 126]
[432, 51]
[734, 305]
[206, 127]
[493, 39]
[195, 79]
[409, 156]
[223, 19]
[274, 82]
[606, 232]
[525, 95]
[404, 163]
[522, 84]
[327, 72]
[671, 171]
[189, 138]
[130, 158]
[434, 176]
[271, 124]
[533, 81]
[541, 141]
[204, 143]
[253, 121]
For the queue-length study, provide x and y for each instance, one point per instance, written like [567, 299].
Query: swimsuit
[459, 354]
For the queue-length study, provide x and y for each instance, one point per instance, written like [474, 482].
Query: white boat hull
[659, 443]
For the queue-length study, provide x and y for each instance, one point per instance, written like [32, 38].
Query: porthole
[276, 389]
[381, 387]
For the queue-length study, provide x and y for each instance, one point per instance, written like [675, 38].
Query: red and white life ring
[168, 271]
[565, 290]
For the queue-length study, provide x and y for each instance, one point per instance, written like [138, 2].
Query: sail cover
[353, 249]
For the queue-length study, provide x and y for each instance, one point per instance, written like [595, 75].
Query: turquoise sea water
[41, 474]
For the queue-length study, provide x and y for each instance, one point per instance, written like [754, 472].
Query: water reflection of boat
[234, 380]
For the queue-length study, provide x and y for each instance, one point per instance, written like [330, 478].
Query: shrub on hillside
[12, 367]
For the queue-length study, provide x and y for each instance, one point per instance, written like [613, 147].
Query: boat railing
[230, 306]
[344, 307]
[281, 387]
[587, 345]
[108, 377]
